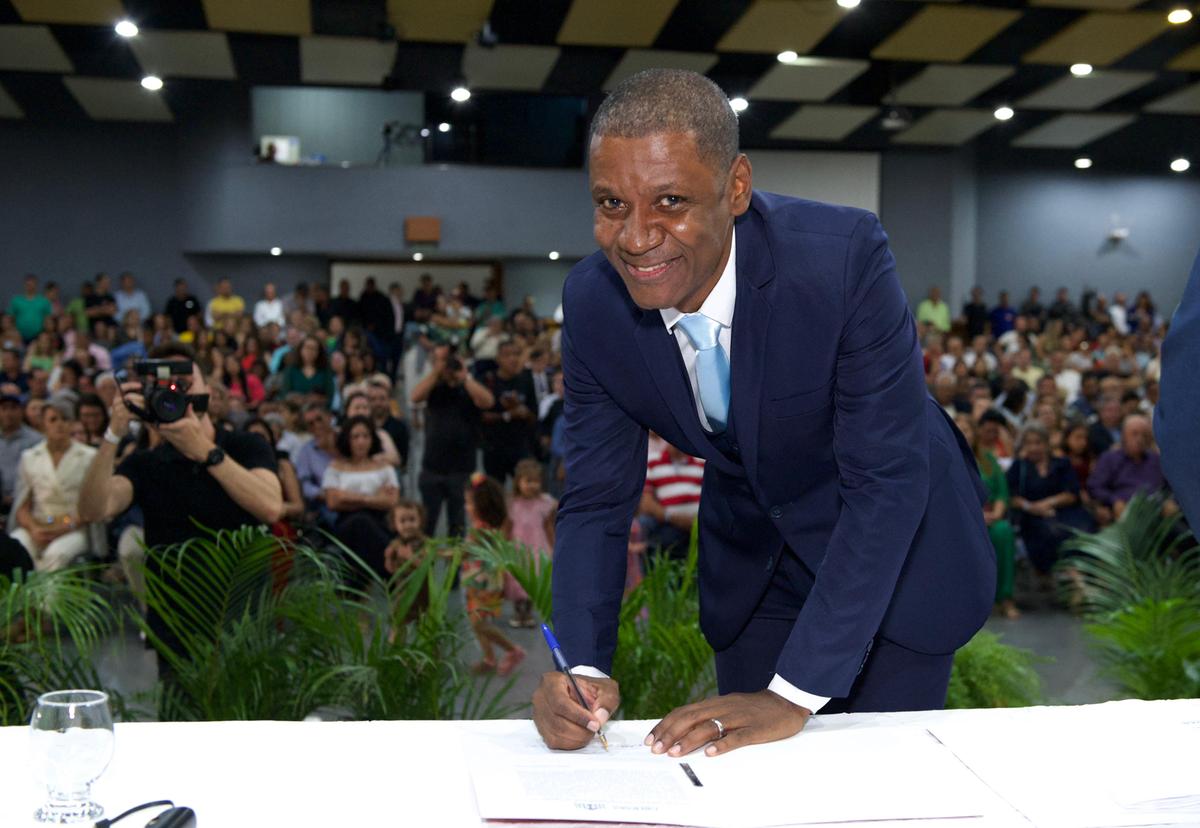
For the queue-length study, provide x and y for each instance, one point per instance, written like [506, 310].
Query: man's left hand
[748, 719]
[189, 437]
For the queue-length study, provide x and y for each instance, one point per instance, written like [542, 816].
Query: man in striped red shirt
[671, 499]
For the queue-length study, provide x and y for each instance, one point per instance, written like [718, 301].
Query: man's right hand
[561, 721]
[119, 416]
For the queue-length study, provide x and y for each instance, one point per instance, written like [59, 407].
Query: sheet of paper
[1085, 768]
[814, 778]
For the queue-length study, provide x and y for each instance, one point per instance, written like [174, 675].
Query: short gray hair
[657, 101]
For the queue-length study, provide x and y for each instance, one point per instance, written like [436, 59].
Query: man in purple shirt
[1130, 467]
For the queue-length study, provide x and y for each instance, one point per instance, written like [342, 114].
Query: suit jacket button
[776, 512]
[770, 562]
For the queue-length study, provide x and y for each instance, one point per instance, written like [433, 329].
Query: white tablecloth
[409, 774]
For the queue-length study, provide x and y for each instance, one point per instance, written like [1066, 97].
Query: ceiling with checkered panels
[947, 63]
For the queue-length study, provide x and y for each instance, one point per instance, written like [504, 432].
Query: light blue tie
[712, 367]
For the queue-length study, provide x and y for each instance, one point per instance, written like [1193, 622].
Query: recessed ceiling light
[443, 127]
[126, 28]
[787, 57]
[554, 255]
[152, 82]
[460, 94]
[1080, 70]
[424, 132]
[739, 104]
[1181, 165]
[1083, 163]
[1003, 113]
[1179, 16]
[276, 251]
[418, 256]
[849, 4]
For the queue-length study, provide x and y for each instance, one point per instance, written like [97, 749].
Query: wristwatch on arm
[215, 458]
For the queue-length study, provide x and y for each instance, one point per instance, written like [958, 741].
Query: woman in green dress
[995, 514]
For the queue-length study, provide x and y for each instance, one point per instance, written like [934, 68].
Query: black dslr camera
[164, 388]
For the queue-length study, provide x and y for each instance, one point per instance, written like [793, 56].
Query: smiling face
[664, 217]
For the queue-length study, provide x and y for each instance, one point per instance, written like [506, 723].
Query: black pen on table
[560, 662]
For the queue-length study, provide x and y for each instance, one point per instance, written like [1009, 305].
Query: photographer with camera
[218, 478]
[453, 399]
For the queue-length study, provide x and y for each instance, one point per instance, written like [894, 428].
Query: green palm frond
[1152, 649]
[60, 617]
[1141, 579]
[989, 673]
[529, 568]
[1144, 556]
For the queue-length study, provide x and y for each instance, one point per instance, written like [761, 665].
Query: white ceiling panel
[1088, 92]
[1184, 102]
[345, 60]
[807, 79]
[817, 122]
[950, 85]
[184, 54]
[635, 60]
[1073, 131]
[947, 127]
[508, 67]
[8, 107]
[111, 99]
[32, 49]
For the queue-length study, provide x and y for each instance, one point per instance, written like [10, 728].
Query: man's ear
[740, 185]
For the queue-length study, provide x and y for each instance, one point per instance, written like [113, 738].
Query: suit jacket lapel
[662, 357]
[751, 318]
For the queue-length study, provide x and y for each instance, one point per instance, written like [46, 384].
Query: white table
[407, 773]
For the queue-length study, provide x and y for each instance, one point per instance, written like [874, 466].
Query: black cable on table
[162, 803]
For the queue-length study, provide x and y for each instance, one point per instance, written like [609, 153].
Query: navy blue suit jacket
[1177, 415]
[845, 457]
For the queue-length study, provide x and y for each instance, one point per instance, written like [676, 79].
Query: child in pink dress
[531, 517]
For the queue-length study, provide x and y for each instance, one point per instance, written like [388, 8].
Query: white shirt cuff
[590, 672]
[782, 687]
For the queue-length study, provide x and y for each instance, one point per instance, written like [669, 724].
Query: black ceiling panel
[177, 14]
[581, 70]
[528, 21]
[432, 67]
[697, 25]
[43, 97]
[737, 72]
[1034, 27]
[97, 51]
[865, 28]
[351, 18]
[270, 60]
[1162, 49]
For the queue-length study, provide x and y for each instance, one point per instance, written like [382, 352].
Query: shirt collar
[719, 304]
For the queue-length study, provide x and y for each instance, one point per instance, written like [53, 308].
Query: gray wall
[916, 208]
[540, 278]
[1049, 228]
[76, 201]
[187, 200]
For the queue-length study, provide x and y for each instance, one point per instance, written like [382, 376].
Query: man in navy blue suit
[1177, 415]
[843, 553]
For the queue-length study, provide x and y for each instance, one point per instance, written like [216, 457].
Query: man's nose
[639, 233]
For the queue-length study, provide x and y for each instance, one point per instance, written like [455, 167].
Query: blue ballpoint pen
[560, 662]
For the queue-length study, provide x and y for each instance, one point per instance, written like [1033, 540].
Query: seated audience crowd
[385, 405]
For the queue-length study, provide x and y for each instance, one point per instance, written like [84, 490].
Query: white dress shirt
[719, 306]
[267, 311]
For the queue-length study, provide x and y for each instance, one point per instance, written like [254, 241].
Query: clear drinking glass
[71, 742]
